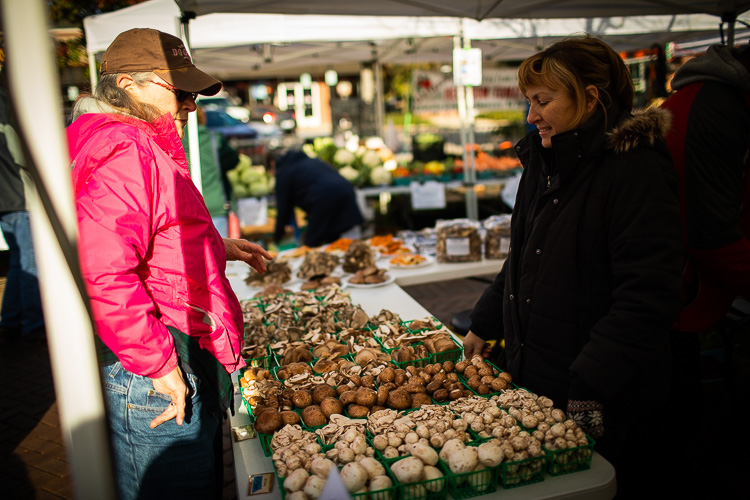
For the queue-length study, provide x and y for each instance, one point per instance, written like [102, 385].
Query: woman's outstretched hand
[250, 253]
[474, 344]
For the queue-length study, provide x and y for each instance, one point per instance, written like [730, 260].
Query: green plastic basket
[473, 484]
[432, 489]
[521, 472]
[561, 462]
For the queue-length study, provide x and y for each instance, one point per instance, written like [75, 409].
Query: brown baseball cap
[145, 49]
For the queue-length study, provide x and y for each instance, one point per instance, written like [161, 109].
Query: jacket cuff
[170, 365]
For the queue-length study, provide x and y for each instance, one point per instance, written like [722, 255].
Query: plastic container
[473, 484]
[458, 240]
[497, 236]
[431, 489]
[522, 472]
[569, 460]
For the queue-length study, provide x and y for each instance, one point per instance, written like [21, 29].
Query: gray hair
[108, 92]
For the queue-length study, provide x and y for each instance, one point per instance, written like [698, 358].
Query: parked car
[241, 136]
[224, 102]
[272, 115]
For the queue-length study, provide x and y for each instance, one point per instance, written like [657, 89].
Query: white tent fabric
[473, 9]
[233, 46]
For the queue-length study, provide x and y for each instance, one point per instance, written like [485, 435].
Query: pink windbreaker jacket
[150, 255]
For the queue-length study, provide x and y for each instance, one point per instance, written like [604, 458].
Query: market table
[598, 482]
[439, 271]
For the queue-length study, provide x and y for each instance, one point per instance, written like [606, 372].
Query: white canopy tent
[34, 87]
[240, 45]
[247, 45]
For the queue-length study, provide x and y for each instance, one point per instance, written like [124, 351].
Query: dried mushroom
[358, 256]
[317, 264]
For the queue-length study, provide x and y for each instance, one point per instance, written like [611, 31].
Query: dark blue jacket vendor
[327, 198]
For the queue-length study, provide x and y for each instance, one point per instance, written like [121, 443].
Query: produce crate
[265, 443]
[423, 490]
[519, 473]
[384, 494]
[561, 462]
[262, 362]
[452, 355]
[422, 362]
[490, 394]
[472, 484]
[407, 325]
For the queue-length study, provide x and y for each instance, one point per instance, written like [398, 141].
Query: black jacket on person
[591, 284]
[317, 188]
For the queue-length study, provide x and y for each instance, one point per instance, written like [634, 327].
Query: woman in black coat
[591, 284]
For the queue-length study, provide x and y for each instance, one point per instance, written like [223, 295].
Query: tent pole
[93, 76]
[34, 83]
[470, 193]
[377, 68]
[193, 150]
[473, 210]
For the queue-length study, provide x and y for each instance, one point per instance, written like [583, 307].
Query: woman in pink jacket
[169, 327]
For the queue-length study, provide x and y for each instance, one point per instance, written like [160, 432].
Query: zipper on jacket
[549, 181]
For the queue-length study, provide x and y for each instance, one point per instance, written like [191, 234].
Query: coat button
[539, 251]
[528, 301]
[555, 201]
[512, 297]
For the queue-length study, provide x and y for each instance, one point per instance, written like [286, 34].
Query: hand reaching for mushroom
[250, 253]
[473, 344]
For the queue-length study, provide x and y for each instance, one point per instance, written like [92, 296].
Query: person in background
[710, 145]
[169, 326]
[22, 315]
[217, 157]
[591, 284]
[327, 198]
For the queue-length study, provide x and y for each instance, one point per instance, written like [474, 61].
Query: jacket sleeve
[487, 315]
[644, 234]
[116, 223]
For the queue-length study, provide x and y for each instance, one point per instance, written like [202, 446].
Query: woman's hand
[173, 385]
[247, 252]
[474, 344]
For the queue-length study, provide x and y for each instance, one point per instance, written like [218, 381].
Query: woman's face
[152, 92]
[552, 111]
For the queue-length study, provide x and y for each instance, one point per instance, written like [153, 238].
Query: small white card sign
[252, 211]
[430, 195]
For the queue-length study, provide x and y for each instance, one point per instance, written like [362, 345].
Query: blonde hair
[573, 64]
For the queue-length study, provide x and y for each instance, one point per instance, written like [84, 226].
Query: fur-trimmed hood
[646, 126]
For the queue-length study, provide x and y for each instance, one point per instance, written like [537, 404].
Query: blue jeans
[22, 304]
[170, 461]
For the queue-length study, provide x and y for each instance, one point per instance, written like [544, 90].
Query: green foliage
[72, 12]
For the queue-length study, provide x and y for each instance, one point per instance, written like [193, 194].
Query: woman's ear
[592, 97]
[126, 83]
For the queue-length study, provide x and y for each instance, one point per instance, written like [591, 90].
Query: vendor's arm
[645, 246]
[715, 154]
[115, 225]
[248, 252]
[486, 318]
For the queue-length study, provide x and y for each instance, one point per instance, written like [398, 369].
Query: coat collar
[616, 131]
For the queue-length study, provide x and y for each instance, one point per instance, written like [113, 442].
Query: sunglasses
[181, 95]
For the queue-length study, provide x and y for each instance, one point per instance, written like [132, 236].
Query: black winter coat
[592, 281]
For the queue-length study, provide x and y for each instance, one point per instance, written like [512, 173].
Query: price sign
[430, 195]
[467, 67]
